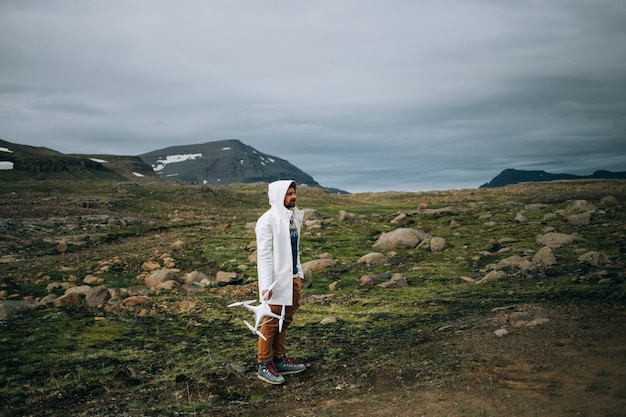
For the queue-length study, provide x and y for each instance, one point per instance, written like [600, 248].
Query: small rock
[366, 281]
[135, 300]
[396, 281]
[62, 247]
[150, 266]
[501, 332]
[179, 244]
[92, 279]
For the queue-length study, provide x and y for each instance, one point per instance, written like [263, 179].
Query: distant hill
[40, 163]
[219, 162]
[223, 162]
[515, 176]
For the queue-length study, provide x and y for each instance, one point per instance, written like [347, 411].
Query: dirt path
[554, 361]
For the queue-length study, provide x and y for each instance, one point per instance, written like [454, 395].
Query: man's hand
[269, 296]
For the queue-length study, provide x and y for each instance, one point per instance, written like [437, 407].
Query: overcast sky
[363, 95]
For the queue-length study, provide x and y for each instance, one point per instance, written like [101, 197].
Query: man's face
[290, 198]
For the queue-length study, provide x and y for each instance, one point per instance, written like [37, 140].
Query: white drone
[260, 311]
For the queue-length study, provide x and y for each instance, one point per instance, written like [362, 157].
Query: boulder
[544, 257]
[12, 308]
[373, 258]
[80, 289]
[437, 244]
[402, 238]
[509, 263]
[492, 276]
[228, 278]
[555, 240]
[158, 277]
[68, 300]
[193, 287]
[167, 285]
[594, 258]
[608, 200]
[579, 206]
[579, 219]
[316, 265]
[194, 276]
[97, 296]
[311, 214]
[346, 217]
[313, 224]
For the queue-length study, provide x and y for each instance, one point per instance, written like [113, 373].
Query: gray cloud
[362, 95]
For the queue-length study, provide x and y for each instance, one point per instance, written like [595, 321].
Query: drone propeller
[255, 330]
[241, 303]
[281, 319]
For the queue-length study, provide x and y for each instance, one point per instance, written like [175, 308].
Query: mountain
[220, 162]
[514, 176]
[40, 163]
[223, 162]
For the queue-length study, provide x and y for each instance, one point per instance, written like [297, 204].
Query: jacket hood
[276, 192]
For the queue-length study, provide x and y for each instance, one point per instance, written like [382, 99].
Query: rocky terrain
[493, 302]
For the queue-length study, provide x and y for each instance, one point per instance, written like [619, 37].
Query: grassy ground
[424, 350]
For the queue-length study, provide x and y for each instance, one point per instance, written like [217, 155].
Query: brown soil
[572, 365]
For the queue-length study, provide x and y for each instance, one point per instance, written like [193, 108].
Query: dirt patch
[572, 364]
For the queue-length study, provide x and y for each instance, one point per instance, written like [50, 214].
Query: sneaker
[286, 366]
[268, 373]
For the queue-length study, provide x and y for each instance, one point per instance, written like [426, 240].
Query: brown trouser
[274, 346]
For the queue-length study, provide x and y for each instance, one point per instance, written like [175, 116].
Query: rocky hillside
[223, 162]
[40, 163]
[211, 163]
[516, 176]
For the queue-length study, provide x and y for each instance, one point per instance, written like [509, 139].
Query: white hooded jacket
[274, 259]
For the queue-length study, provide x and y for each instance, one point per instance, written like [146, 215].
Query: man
[278, 262]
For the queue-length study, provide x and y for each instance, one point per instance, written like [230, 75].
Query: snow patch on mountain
[160, 164]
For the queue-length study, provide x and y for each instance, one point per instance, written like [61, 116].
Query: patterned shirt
[293, 232]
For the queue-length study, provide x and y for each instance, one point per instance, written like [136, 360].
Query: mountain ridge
[514, 176]
[223, 162]
[212, 163]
